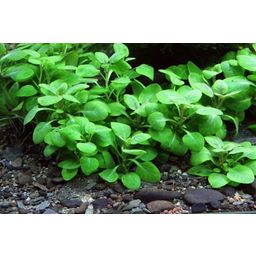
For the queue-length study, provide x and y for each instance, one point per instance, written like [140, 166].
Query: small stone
[159, 205]
[132, 204]
[237, 203]
[11, 154]
[49, 211]
[99, 186]
[250, 188]
[17, 163]
[34, 195]
[228, 191]
[4, 204]
[127, 197]
[21, 207]
[71, 203]
[108, 192]
[81, 209]
[89, 209]
[198, 208]
[246, 196]
[202, 195]
[42, 206]
[215, 205]
[40, 186]
[24, 179]
[147, 195]
[118, 188]
[101, 202]
[165, 176]
[137, 210]
[58, 180]
[115, 196]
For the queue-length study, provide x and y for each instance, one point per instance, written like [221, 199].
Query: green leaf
[88, 148]
[116, 109]
[139, 138]
[151, 153]
[210, 125]
[136, 152]
[31, 114]
[241, 174]
[194, 141]
[171, 97]
[149, 93]
[69, 164]
[26, 91]
[157, 121]
[15, 55]
[193, 68]
[70, 98]
[190, 94]
[215, 142]
[49, 100]
[96, 110]
[87, 70]
[101, 57]
[40, 131]
[218, 180]
[148, 172]
[176, 145]
[131, 180]
[208, 111]
[103, 136]
[121, 51]
[109, 175]
[123, 131]
[108, 159]
[120, 83]
[69, 174]
[230, 70]
[252, 166]
[200, 157]
[200, 170]
[131, 101]
[164, 136]
[220, 87]
[54, 138]
[204, 88]
[145, 70]
[20, 73]
[171, 76]
[71, 132]
[247, 62]
[49, 150]
[89, 165]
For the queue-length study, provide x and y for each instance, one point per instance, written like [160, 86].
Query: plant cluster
[96, 113]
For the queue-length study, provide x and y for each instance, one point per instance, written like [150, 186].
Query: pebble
[137, 210]
[132, 204]
[49, 211]
[24, 179]
[198, 208]
[101, 202]
[159, 205]
[118, 188]
[17, 163]
[250, 188]
[89, 209]
[71, 203]
[81, 209]
[215, 205]
[21, 207]
[238, 203]
[42, 206]
[148, 195]
[228, 191]
[4, 204]
[202, 195]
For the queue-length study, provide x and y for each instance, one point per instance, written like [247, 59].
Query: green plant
[225, 162]
[98, 114]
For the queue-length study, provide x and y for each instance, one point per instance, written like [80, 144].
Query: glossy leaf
[145, 70]
[131, 181]
[89, 165]
[218, 180]
[148, 172]
[194, 141]
[241, 174]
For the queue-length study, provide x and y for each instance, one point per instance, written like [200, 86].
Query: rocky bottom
[29, 183]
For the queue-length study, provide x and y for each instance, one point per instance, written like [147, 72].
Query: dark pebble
[101, 202]
[108, 192]
[4, 204]
[228, 191]
[202, 195]
[118, 188]
[22, 208]
[215, 205]
[71, 203]
[250, 188]
[147, 195]
[24, 179]
[198, 208]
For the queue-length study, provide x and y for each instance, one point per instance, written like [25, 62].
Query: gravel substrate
[29, 183]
